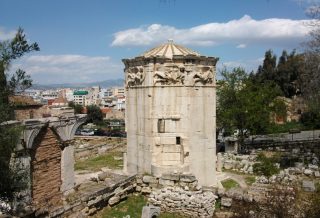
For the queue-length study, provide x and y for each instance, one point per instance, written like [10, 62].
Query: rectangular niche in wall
[161, 125]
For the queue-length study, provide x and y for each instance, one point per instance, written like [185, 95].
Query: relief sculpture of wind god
[134, 76]
[180, 75]
[168, 75]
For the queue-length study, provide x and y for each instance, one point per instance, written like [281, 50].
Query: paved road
[302, 136]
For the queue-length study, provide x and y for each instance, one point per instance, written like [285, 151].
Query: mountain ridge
[103, 84]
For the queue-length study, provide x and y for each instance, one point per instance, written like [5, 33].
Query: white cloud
[307, 1]
[47, 69]
[249, 65]
[241, 46]
[4, 34]
[245, 30]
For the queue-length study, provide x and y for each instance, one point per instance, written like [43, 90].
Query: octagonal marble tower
[171, 113]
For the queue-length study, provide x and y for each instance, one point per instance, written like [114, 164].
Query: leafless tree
[311, 78]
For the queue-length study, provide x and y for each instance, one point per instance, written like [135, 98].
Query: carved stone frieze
[183, 75]
[134, 76]
[204, 75]
[168, 75]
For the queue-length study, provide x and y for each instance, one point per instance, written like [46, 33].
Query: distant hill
[102, 84]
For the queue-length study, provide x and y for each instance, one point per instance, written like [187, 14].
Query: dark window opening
[31, 114]
[178, 140]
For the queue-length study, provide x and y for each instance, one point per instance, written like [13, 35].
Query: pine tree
[9, 136]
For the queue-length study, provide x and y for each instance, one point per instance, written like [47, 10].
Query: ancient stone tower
[171, 112]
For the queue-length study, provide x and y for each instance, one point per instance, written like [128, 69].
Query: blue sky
[85, 40]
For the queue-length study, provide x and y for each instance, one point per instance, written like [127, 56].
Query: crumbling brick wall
[46, 171]
[31, 112]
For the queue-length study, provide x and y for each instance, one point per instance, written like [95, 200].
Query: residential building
[79, 97]
[49, 94]
[93, 96]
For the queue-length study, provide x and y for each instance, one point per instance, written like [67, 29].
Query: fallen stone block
[166, 182]
[114, 200]
[139, 181]
[313, 167]
[187, 178]
[146, 190]
[307, 172]
[228, 165]
[308, 185]
[226, 202]
[171, 176]
[149, 179]
[138, 188]
[102, 176]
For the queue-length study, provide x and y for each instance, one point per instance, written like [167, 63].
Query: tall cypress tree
[266, 72]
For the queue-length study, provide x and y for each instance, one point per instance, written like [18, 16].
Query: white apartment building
[79, 97]
[49, 94]
[115, 91]
[66, 93]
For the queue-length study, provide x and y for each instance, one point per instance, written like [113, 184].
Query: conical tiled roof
[168, 50]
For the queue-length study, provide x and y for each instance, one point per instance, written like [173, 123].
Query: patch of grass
[217, 205]
[132, 206]
[229, 183]
[250, 180]
[96, 163]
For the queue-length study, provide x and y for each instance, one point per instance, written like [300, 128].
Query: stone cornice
[148, 60]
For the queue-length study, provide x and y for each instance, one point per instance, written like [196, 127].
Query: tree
[78, 108]
[9, 135]
[311, 77]
[286, 73]
[244, 105]
[267, 71]
[94, 114]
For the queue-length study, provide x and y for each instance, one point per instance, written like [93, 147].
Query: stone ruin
[171, 113]
[46, 161]
[178, 193]
[170, 117]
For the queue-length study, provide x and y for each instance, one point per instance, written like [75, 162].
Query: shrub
[266, 166]
[229, 183]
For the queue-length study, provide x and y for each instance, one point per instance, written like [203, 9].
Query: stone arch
[79, 121]
[46, 171]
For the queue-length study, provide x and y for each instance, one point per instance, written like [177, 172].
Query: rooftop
[21, 100]
[60, 100]
[168, 50]
[80, 92]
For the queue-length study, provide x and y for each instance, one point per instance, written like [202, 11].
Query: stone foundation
[189, 203]
[178, 193]
[90, 199]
